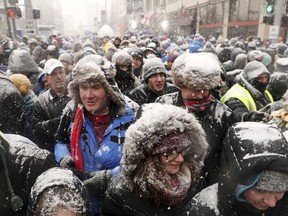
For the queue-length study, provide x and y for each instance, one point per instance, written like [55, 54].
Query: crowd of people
[143, 125]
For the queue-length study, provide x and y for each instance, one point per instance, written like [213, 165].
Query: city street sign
[273, 32]
[30, 27]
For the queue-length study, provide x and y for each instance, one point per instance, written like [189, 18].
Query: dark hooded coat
[244, 157]
[24, 162]
[126, 194]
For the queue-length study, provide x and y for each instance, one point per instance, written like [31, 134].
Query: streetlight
[165, 24]
[133, 24]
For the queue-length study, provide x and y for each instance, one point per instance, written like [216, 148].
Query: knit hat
[192, 71]
[253, 70]
[20, 60]
[51, 65]
[122, 58]
[147, 135]
[66, 57]
[21, 82]
[241, 61]
[281, 65]
[153, 66]
[272, 181]
[97, 69]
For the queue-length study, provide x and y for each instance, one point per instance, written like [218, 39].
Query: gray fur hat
[272, 181]
[197, 71]
[253, 70]
[95, 68]
[281, 65]
[157, 122]
[20, 60]
[153, 66]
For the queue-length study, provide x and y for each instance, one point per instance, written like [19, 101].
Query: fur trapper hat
[197, 71]
[94, 68]
[146, 134]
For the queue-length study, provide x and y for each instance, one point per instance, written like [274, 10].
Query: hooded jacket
[126, 194]
[249, 149]
[21, 162]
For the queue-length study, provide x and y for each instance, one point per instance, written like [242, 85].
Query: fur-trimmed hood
[197, 71]
[158, 121]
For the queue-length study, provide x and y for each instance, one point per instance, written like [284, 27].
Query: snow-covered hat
[253, 70]
[66, 57]
[272, 181]
[97, 69]
[20, 60]
[146, 136]
[122, 58]
[153, 66]
[197, 71]
[281, 65]
[51, 65]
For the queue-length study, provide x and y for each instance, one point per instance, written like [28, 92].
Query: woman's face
[172, 166]
[94, 98]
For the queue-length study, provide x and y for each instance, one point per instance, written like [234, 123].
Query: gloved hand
[258, 116]
[97, 184]
[67, 162]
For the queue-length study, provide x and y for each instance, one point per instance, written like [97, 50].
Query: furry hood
[94, 68]
[197, 71]
[20, 60]
[159, 121]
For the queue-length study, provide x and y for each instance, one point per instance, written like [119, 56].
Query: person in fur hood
[247, 97]
[163, 155]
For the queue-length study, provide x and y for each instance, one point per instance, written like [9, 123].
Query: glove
[258, 116]
[67, 162]
[97, 184]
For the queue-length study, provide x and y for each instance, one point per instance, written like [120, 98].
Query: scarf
[198, 105]
[75, 139]
[154, 182]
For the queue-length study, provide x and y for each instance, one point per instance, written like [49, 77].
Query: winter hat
[66, 57]
[73, 194]
[236, 52]
[96, 69]
[278, 85]
[51, 65]
[136, 52]
[152, 47]
[153, 66]
[253, 70]
[147, 135]
[192, 71]
[241, 61]
[20, 60]
[281, 65]
[208, 47]
[267, 60]
[281, 49]
[272, 181]
[21, 82]
[224, 54]
[165, 44]
[255, 55]
[122, 58]
[240, 44]
[110, 52]
[88, 43]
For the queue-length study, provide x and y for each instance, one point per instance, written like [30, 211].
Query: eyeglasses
[174, 154]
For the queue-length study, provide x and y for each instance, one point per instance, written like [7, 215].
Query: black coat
[243, 158]
[11, 107]
[215, 121]
[142, 94]
[47, 110]
[120, 201]
[25, 162]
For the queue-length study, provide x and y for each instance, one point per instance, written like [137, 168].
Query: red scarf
[75, 139]
[198, 105]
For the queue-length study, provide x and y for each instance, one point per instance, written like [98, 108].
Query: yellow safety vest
[242, 94]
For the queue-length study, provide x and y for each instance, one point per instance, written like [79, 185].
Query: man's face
[136, 62]
[262, 200]
[189, 94]
[94, 98]
[57, 80]
[156, 82]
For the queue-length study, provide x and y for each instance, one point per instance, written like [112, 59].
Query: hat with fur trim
[95, 69]
[147, 135]
[272, 181]
[153, 66]
[192, 71]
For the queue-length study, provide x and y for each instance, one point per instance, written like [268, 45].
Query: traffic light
[36, 13]
[14, 12]
[269, 20]
[269, 6]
